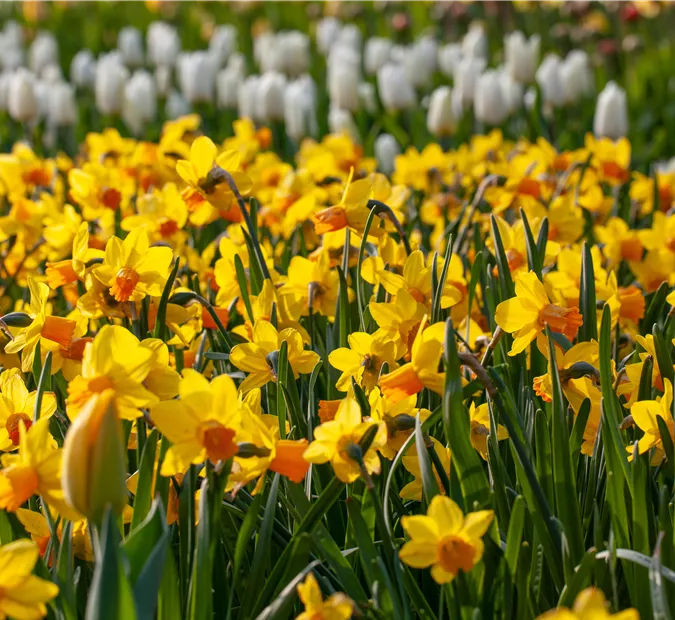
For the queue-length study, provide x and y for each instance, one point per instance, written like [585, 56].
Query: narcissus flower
[413, 490]
[202, 424]
[258, 357]
[590, 604]
[23, 595]
[445, 539]
[337, 606]
[132, 269]
[37, 526]
[337, 442]
[528, 313]
[645, 415]
[480, 428]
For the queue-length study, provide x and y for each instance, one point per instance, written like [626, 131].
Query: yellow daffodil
[645, 415]
[480, 428]
[590, 604]
[413, 490]
[337, 606]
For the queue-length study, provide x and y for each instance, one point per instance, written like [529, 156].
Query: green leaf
[144, 538]
[44, 385]
[578, 430]
[655, 307]
[588, 306]
[281, 605]
[146, 476]
[437, 293]
[429, 484]
[200, 598]
[657, 588]
[343, 316]
[662, 356]
[505, 280]
[534, 260]
[243, 287]
[160, 320]
[581, 580]
[65, 570]
[514, 535]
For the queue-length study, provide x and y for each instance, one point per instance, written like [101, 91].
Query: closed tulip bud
[22, 100]
[474, 43]
[327, 31]
[343, 87]
[176, 105]
[43, 94]
[419, 61]
[294, 50]
[440, 117]
[247, 98]
[449, 57]
[386, 150]
[300, 108]
[11, 58]
[466, 75]
[396, 91]
[576, 75]
[43, 51]
[140, 102]
[368, 97]
[237, 64]
[513, 92]
[111, 76]
[13, 34]
[377, 54]
[163, 80]
[83, 69]
[490, 105]
[163, 44]
[62, 111]
[521, 56]
[270, 103]
[52, 74]
[342, 122]
[130, 45]
[611, 113]
[350, 36]
[223, 43]
[550, 81]
[227, 85]
[93, 469]
[197, 76]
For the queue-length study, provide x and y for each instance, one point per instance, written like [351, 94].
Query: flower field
[338, 310]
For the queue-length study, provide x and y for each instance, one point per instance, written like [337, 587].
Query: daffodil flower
[645, 415]
[337, 606]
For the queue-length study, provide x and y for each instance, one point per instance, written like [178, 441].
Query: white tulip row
[130, 80]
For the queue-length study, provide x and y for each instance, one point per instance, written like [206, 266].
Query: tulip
[83, 69]
[368, 97]
[343, 87]
[512, 90]
[227, 85]
[396, 92]
[62, 107]
[327, 31]
[22, 100]
[270, 99]
[449, 57]
[521, 56]
[466, 75]
[93, 470]
[163, 80]
[130, 45]
[377, 53]
[111, 76]
[611, 112]
[51, 74]
[350, 36]
[176, 105]
[300, 108]
[386, 150]
[140, 102]
[341, 122]
[223, 43]
[197, 76]
[550, 81]
[576, 75]
[420, 62]
[294, 50]
[43, 51]
[163, 44]
[490, 105]
[474, 43]
[247, 97]
[440, 117]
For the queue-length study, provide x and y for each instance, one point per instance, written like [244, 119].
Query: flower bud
[22, 99]
[396, 92]
[130, 45]
[111, 76]
[420, 62]
[163, 44]
[377, 54]
[62, 110]
[163, 80]
[93, 469]
[490, 105]
[270, 103]
[176, 105]
[247, 98]
[327, 31]
[140, 102]
[350, 36]
[474, 43]
[341, 122]
[449, 57]
[294, 51]
[223, 43]
[513, 92]
[83, 69]
[611, 112]
[550, 81]
[368, 97]
[197, 76]
[227, 85]
[343, 87]
[521, 56]
[300, 108]
[466, 75]
[576, 75]
[43, 51]
[440, 117]
[386, 149]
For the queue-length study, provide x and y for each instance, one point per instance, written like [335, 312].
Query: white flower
[223, 43]
[474, 43]
[466, 76]
[343, 87]
[368, 97]
[43, 51]
[512, 90]
[349, 36]
[521, 56]
[550, 81]
[440, 117]
[197, 76]
[611, 112]
[176, 105]
[327, 31]
[490, 105]
[576, 75]
[341, 122]
[83, 69]
[62, 107]
[227, 85]
[386, 149]
[22, 100]
[111, 76]
[377, 53]
[300, 108]
[163, 44]
[270, 103]
[247, 98]
[130, 45]
[396, 91]
[449, 57]
[140, 101]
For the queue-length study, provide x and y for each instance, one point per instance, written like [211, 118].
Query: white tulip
[512, 90]
[550, 81]
[176, 105]
[270, 103]
[342, 122]
[521, 56]
[43, 95]
[377, 53]
[440, 117]
[466, 75]
[611, 112]
[247, 98]
[490, 106]
[300, 108]
[237, 64]
[474, 43]
[327, 32]
[163, 44]
[111, 76]
[264, 52]
[62, 107]
[349, 36]
[197, 76]
[386, 150]
[294, 49]
[223, 43]
[227, 85]
[576, 75]
[343, 85]
[449, 57]
[22, 100]
[140, 102]
[43, 51]
[52, 74]
[13, 34]
[130, 45]
[396, 91]
[368, 97]
[163, 80]
[83, 69]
